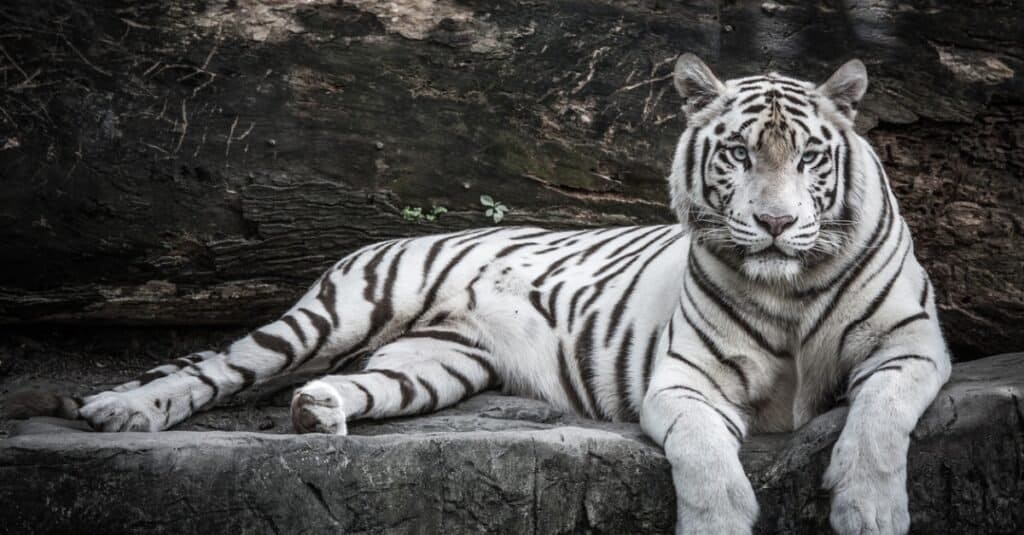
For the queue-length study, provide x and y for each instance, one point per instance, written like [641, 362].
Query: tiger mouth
[772, 252]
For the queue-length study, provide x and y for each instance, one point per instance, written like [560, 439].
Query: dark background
[191, 164]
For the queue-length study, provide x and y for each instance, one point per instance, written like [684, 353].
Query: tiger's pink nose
[775, 224]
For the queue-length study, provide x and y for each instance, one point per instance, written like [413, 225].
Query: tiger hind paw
[116, 412]
[316, 408]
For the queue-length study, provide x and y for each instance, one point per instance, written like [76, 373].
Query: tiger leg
[888, 391]
[424, 370]
[310, 339]
[701, 433]
[172, 392]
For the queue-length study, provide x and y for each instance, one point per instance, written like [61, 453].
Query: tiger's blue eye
[809, 157]
[739, 153]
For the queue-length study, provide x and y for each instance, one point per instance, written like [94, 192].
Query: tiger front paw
[116, 412]
[724, 504]
[316, 408]
[867, 499]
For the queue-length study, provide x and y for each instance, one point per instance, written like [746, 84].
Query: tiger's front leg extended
[692, 409]
[889, 391]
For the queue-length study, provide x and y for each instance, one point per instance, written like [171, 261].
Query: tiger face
[762, 173]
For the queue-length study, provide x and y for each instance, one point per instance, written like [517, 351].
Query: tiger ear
[696, 83]
[846, 87]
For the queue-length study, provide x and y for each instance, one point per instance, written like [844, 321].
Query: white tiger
[789, 284]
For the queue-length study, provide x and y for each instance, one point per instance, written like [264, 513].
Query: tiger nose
[775, 224]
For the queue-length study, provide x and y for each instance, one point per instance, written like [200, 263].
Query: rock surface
[494, 464]
[198, 163]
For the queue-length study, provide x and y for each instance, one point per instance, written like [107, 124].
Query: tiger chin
[790, 281]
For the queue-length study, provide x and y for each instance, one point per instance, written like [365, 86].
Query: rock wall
[198, 163]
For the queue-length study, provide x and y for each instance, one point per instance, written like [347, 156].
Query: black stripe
[428, 262]
[874, 305]
[444, 336]
[853, 271]
[538, 234]
[479, 235]
[552, 267]
[441, 278]
[907, 357]
[907, 321]
[710, 289]
[691, 148]
[626, 409]
[925, 290]
[567, 385]
[586, 253]
[620, 307]
[369, 398]
[750, 99]
[248, 376]
[150, 376]
[584, 351]
[535, 301]
[888, 259]
[323, 328]
[847, 171]
[680, 387]
[599, 286]
[404, 384]
[882, 365]
[438, 319]
[795, 111]
[652, 344]
[730, 426]
[713, 348]
[744, 125]
[703, 174]
[431, 392]
[327, 295]
[294, 324]
[572, 305]
[383, 309]
[512, 248]
[553, 301]
[650, 230]
[671, 427]
[206, 380]
[275, 344]
[492, 374]
[608, 266]
[569, 236]
[706, 375]
[466, 384]
[865, 377]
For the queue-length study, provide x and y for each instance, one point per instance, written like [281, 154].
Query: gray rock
[491, 464]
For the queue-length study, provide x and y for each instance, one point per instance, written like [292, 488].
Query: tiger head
[762, 173]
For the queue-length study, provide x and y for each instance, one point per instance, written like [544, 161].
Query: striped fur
[790, 283]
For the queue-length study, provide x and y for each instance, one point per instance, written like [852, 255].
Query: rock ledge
[492, 464]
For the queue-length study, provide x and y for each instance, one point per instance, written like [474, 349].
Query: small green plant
[415, 213]
[495, 210]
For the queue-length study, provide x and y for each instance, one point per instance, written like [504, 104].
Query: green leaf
[489, 212]
[498, 216]
[486, 200]
[438, 210]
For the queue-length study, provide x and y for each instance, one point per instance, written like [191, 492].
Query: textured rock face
[493, 463]
[180, 162]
